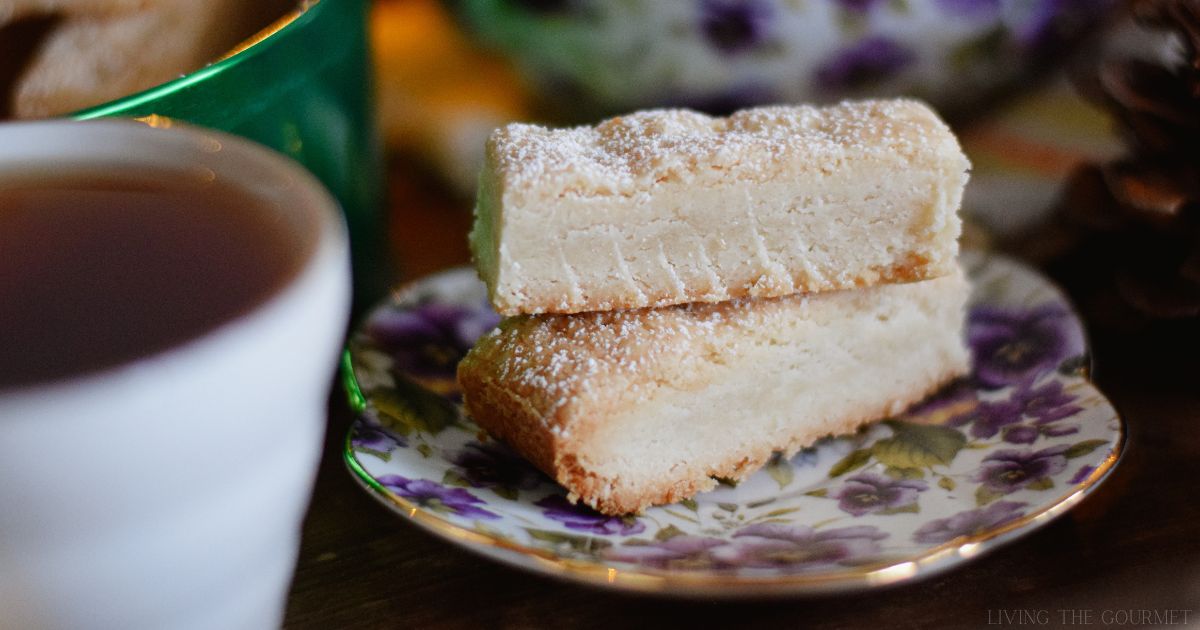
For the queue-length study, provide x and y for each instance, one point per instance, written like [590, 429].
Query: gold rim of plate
[936, 560]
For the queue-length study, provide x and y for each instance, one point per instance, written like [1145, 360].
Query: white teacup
[168, 492]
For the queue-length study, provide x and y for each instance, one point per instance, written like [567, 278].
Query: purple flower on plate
[1047, 403]
[1081, 474]
[1010, 470]
[1016, 345]
[988, 418]
[676, 552]
[868, 493]
[1021, 434]
[492, 465]
[968, 523]
[583, 518]
[762, 545]
[970, 8]
[870, 60]
[733, 26]
[436, 497]
[775, 545]
[371, 436]
[430, 339]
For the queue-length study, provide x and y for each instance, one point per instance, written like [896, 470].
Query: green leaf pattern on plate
[979, 455]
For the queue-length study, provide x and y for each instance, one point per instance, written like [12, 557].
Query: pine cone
[1141, 213]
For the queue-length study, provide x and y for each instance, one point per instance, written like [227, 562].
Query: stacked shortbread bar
[688, 294]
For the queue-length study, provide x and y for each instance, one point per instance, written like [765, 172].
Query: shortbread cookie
[628, 409]
[672, 206]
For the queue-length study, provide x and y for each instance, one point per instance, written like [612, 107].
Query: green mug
[303, 88]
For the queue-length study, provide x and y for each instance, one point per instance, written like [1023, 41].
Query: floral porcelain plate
[988, 458]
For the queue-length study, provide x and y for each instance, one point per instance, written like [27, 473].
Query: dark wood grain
[1133, 544]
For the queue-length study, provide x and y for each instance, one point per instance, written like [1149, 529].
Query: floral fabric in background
[441, 93]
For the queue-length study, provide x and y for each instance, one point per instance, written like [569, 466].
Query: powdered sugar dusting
[551, 360]
[625, 154]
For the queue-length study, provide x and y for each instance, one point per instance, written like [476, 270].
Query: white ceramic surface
[169, 492]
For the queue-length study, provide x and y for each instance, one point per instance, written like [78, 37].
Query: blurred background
[1078, 115]
[452, 71]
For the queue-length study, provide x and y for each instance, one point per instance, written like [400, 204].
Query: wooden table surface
[1130, 547]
